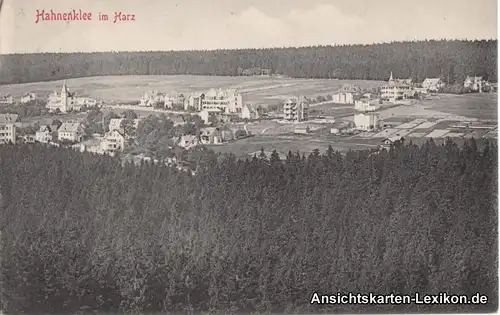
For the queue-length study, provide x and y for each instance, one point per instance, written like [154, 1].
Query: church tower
[64, 98]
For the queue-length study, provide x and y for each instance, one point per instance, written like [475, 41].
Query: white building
[70, 131]
[188, 141]
[433, 84]
[8, 128]
[249, 112]
[227, 100]
[174, 100]
[474, 83]
[152, 98]
[366, 105]
[302, 130]
[45, 133]
[28, 97]
[296, 109]
[6, 99]
[113, 141]
[421, 90]
[194, 101]
[67, 101]
[85, 101]
[396, 90]
[116, 123]
[343, 98]
[215, 135]
[366, 122]
[211, 135]
[211, 114]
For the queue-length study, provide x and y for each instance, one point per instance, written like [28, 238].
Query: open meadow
[481, 106]
[295, 143]
[119, 89]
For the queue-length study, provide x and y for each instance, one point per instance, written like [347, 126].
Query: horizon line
[260, 48]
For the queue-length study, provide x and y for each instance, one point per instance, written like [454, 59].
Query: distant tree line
[452, 60]
[83, 232]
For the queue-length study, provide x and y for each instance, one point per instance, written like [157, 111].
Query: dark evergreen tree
[451, 60]
[84, 232]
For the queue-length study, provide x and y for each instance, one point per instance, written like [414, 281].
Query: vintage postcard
[248, 156]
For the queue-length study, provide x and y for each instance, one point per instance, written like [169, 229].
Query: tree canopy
[85, 232]
[452, 60]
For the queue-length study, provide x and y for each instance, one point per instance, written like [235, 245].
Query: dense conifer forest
[84, 232]
[452, 60]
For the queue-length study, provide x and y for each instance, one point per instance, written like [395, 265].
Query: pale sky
[213, 24]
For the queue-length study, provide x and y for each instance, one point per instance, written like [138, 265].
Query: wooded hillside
[83, 232]
[453, 60]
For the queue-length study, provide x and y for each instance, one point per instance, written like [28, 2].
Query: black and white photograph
[248, 157]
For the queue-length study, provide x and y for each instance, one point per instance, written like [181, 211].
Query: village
[223, 116]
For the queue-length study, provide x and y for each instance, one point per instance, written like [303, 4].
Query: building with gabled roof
[208, 115]
[188, 141]
[46, 133]
[6, 99]
[474, 83]
[28, 97]
[396, 89]
[387, 142]
[249, 111]
[194, 101]
[113, 141]
[433, 84]
[70, 131]
[116, 123]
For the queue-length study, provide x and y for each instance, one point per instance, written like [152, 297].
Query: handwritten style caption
[80, 15]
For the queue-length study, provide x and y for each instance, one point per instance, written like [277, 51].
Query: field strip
[333, 105]
[144, 108]
[268, 87]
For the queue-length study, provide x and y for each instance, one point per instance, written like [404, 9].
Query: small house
[474, 83]
[249, 112]
[113, 141]
[209, 115]
[388, 142]
[433, 84]
[188, 141]
[45, 134]
[302, 130]
[6, 99]
[211, 135]
[28, 97]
